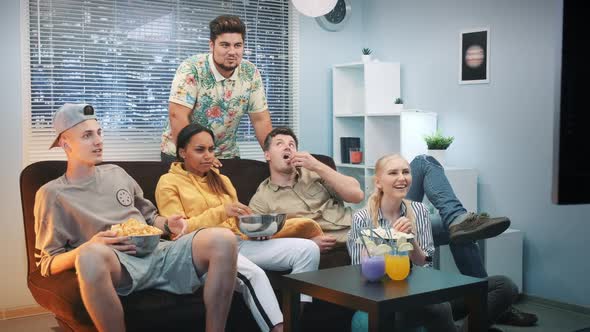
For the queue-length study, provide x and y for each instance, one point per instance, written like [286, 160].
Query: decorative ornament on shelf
[398, 105]
[366, 57]
[314, 8]
[437, 145]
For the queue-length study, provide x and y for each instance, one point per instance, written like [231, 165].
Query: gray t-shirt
[67, 214]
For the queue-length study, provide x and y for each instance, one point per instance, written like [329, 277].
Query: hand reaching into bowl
[237, 209]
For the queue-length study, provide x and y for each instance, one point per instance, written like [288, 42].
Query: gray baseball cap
[68, 116]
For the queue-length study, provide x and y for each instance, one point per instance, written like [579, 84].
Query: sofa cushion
[245, 175]
[59, 294]
[150, 309]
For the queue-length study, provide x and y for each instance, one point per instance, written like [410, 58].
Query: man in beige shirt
[302, 186]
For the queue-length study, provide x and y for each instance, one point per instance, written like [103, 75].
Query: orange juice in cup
[397, 265]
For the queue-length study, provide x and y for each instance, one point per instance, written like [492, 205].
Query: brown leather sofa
[152, 309]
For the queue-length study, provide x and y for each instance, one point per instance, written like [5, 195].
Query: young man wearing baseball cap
[73, 215]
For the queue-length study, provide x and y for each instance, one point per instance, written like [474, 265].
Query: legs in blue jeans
[466, 255]
[502, 293]
[428, 178]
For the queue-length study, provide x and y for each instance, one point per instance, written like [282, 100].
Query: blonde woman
[388, 207]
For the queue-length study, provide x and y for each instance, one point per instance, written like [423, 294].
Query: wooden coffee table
[345, 286]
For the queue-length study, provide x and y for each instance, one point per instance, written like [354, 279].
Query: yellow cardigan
[182, 192]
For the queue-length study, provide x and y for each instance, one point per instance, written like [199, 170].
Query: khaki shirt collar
[276, 187]
[217, 74]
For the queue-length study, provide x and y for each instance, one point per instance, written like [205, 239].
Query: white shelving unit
[363, 107]
[503, 253]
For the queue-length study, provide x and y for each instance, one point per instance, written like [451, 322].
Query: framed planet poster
[474, 64]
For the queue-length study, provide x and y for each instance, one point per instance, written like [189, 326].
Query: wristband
[166, 228]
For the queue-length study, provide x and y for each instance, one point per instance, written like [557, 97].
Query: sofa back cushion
[245, 175]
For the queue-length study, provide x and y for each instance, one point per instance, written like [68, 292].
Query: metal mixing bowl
[257, 225]
[145, 244]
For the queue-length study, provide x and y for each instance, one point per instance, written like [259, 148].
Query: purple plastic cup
[373, 268]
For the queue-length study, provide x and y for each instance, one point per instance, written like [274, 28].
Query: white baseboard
[585, 310]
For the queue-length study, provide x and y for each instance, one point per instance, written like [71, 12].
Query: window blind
[121, 56]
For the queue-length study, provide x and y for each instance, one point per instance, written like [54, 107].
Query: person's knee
[504, 287]
[442, 310]
[439, 312]
[309, 250]
[95, 261]
[424, 159]
[217, 242]
[302, 254]
[421, 158]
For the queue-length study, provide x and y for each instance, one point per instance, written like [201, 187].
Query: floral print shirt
[217, 103]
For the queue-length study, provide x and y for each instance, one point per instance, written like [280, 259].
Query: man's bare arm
[66, 261]
[262, 125]
[347, 187]
[178, 118]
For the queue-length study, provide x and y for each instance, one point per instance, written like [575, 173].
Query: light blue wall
[503, 129]
[12, 247]
[318, 51]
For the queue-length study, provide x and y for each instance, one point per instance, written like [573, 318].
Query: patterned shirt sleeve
[184, 86]
[424, 229]
[257, 102]
[360, 220]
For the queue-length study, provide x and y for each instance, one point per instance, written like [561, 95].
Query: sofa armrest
[59, 294]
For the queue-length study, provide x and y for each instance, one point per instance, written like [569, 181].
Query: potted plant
[437, 145]
[398, 105]
[366, 57]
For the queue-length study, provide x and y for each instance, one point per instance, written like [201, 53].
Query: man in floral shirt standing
[216, 90]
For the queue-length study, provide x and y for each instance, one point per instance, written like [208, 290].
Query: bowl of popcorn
[143, 236]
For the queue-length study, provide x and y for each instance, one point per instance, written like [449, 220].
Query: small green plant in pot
[366, 54]
[398, 105]
[437, 145]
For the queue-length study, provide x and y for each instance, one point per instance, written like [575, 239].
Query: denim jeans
[502, 293]
[428, 178]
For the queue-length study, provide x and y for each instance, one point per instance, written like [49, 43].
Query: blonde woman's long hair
[374, 201]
